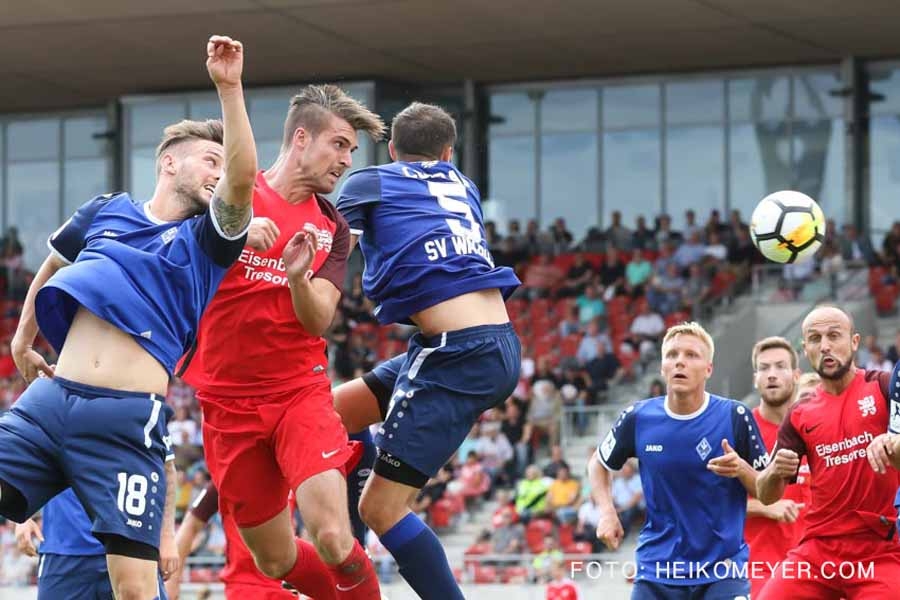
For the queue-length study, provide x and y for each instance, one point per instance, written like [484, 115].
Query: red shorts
[246, 591]
[852, 567]
[259, 449]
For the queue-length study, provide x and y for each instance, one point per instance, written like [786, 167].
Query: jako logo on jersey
[867, 406]
[168, 235]
[109, 234]
[134, 523]
[653, 448]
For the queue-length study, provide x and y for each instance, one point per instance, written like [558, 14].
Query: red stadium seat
[566, 535]
[677, 317]
[886, 300]
[535, 532]
[568, 346]
[439, 513]
[578, 548]
[876, 278]
[517, 574]
[486, 574]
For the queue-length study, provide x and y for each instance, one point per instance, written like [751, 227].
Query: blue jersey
[421, 233]
[150, 278]
[694, 532]
[67, 529]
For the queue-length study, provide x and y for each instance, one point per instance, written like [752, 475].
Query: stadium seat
[886, 300]
[485, 574]
[578, 548]
[535, 532]
[516, 574]
[876, 278]
[566, 534]
[568, 346]
[440, 513]
[677, 317]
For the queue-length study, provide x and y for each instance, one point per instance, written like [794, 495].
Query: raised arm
[232, 203]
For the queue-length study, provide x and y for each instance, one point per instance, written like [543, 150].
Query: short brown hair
[309, 109]
[187, 131]
[423, 130]
[771, 343]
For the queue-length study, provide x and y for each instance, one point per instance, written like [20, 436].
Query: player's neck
[686, 403]
[165, 208]
[287, 181]
[774, 414]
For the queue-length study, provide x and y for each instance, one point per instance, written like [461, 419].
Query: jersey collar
[153, 219]
[693, 415]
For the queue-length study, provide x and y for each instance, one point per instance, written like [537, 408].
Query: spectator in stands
[7, 364]
[543, 277]
[715, 249]
[690, 223]
[577, 278]
[491, 236]
[857, 250]
[657, 388]
[574, 388]
[627, 495]
[474, 479]
[518, 431]
[643, 237]
[11, 248]
[617, 234]
[587, 348]
[543, 562]
[470, 444]
[586, 525]
[361, 353]
[594, 241]
[531, 494]
[736, 223]
[690, 252]
[545, 411]
[590, 303]
[496, 452]
[866, 349]
[563, 496]
[562, 237]
[697, 287]
[183, 429]
[539, 242]
[878, 361]
[612, 273]
[647, 330]
[508, 537]
[353, 302]
[715, 225]
[339, 347]
[604, 370]
[638, 271]
[665, 291]
[664, 232]
[571, 322]
[432, 491]
[742, 253]
[556, 463]
[183, 489]
[889, 243]
[893, 353]
[798, 274]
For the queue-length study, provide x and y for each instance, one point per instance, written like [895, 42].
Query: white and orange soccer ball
[787, 227]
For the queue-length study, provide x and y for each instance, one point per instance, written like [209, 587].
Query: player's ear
[167, 164]
[300, 138]
[854, 342]
[447, 154]
[391, 150]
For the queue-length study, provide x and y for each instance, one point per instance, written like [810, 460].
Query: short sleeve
[206, 504]
[618, 445]
[69, 240]
[361, 189]
[219, 247]
[893, 396]
[334, 269]
[748, 441]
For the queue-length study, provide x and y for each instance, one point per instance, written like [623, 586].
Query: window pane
[143, 173]
[813, 98]
[884, 80]
[819, 164]
[763, 98]
[84, 137]
[695, 102]
[630, 106]
[33, 206]
[885, 172]
[569, 180]
[148, 120]
[84, 178]
[569, 110]
[631, 174]
[511, 113]
[267, 114]
[695, 172]
[204, 107]
[759, 162]
[511, 173]
[33, 140]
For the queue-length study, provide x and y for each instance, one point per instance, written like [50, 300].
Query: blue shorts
[109, 446]
[444, 384]
[84, 577]
[725, 589]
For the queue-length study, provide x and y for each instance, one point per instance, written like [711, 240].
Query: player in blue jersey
[72, 561]
[420, 226]
[698, 455]
[120, 316]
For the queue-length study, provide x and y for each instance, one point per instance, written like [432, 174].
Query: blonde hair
[695, 329]
[771, 343]
[808, 380]
[187, 131]
[310, 107]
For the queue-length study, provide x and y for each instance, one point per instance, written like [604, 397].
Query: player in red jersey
[561, 587]
[242, 579]
[848, 549]
[771, 531]
[259, 366]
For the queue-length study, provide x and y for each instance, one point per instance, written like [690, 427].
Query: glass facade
[51, 164]
[884, 145]
[647, 146]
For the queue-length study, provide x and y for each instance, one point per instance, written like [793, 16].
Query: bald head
[825, 316]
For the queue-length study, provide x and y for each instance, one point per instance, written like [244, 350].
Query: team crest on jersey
[867, 406]
[703, 449]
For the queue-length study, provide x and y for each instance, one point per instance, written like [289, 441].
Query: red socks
[355, 578]
[310, 575]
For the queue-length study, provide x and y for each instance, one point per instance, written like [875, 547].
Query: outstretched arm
[232, 202]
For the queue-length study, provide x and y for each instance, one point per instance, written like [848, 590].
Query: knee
[273, 567]
[378, 515]
[333, 543]
[132, 590]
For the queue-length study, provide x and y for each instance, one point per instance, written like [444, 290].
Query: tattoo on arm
[232, 219]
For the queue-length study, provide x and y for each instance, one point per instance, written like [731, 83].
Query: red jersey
[250, 342]
[848, 497]
[770, 540]
[564, 589]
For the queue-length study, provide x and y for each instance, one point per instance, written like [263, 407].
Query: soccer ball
[787, 227]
